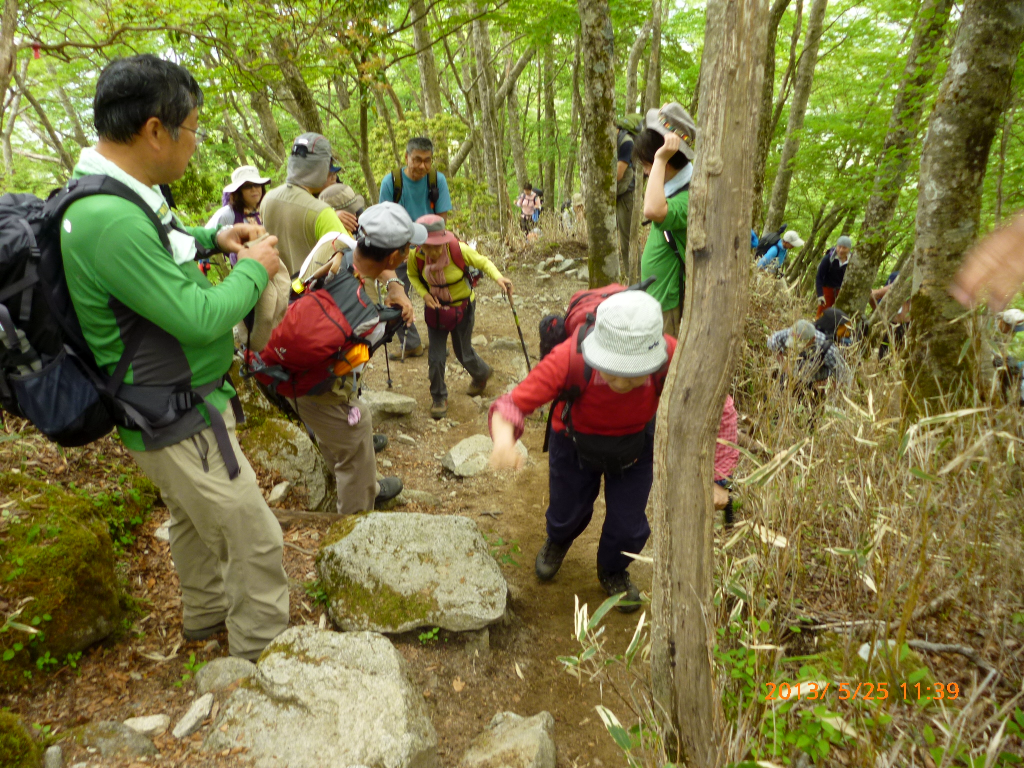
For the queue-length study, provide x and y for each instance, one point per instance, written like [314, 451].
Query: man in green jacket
[130, 290]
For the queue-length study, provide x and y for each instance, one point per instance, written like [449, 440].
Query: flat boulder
[393, 572]
[511, 741]
[114, 739]
[322, 698]
[281, 446]
[469, 457]
[384, 404]
[220, 673]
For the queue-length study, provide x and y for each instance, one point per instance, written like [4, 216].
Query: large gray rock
[384, 404]
[112, 738]
[469, 457]
[220, 673]
[281, 446]
[511, 741]
[392, 572]
[328, 699]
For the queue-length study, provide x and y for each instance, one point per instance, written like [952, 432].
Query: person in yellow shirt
[440, 271]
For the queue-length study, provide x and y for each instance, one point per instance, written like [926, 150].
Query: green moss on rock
[377, 607]
[17, 747]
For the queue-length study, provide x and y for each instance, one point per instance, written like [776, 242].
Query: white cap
[1012, 317]
[246, 174]
[793, 239]
[627, 339]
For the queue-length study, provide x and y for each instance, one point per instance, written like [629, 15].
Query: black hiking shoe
[477, 386]
[380, 442]
[614, 583]
[549, 560]
[192, 635]
[730, 515]
[438, 408]
[389, 488]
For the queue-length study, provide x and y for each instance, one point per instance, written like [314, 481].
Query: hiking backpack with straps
[433, 191]
[769, 241]
[449, 315]
[48, 374]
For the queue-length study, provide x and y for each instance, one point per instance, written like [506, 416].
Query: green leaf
[606, 606]
[929, 735]
[621, 737]
[8, 654]
[922, 475]
[917, 675]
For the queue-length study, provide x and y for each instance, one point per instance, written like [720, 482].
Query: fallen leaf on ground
[458, 685]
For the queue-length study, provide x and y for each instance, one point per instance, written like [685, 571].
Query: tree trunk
[77, 132]
[634, 64]
[1007, 129]
[717, 269]
[11, 117]
[382, 110]
[8, 48]
[54, 139]
[652, 98]
[597, 155]
[765, 128]
[425, 58]
[364, 146]
[268, 124]
[550, 150]
[797, 110]
[308, 113]
[962, 126]
[236, 138]
[894, 160]
[491, 150]
[568, 177]
[515, 134]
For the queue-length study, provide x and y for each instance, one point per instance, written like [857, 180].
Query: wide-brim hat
[437, 231]
[342, 197]
[672, 118]
[246, 174]
[627, 339]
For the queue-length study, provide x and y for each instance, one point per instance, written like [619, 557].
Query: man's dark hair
[648, 143]
[419, 144]
[132, 90]
[376, 252]
[528, 186]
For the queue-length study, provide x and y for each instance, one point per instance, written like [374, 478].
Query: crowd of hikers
[318, 282]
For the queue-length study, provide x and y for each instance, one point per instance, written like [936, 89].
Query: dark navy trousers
[573, 492]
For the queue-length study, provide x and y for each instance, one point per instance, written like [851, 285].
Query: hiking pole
[518, 328]
[387, 363]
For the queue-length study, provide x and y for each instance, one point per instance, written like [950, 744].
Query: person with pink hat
[443, 271]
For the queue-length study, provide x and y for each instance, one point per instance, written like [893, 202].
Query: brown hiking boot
[439, 408]
[477, 386]
[409, 352]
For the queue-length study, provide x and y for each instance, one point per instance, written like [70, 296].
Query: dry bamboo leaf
[769, 536]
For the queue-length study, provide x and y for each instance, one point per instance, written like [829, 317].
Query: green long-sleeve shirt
[117, 269]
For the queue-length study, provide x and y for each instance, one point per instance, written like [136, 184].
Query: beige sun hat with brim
[246, 174]
[672, 118]
[341, 197]
[627, 339]
[268, 312]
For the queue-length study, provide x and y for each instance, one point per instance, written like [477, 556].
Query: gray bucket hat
[672, 118]
[387, 225]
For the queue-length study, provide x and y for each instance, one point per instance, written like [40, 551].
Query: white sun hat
[627, 339]
[1012, 317]
[246, 174]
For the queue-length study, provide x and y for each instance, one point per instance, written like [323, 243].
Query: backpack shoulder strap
[96, 184]
[396, 183]
[455, 251]
[433, 192]
[580, 373]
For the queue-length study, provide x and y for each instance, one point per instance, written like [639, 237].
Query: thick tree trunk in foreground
[956, 148]
[797, 110]
[717, 269]
[597, 155]
[766, 127]
[425, 59]
[894, 161]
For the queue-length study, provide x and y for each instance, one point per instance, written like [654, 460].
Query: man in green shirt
[663, 151]
[129, 289]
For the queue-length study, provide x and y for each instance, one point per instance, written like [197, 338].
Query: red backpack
[470, 274]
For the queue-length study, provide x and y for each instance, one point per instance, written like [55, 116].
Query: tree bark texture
[797, 110]
[268, 125]
[765, 127]
[717, 269]
[597, 151]
[425, 59]
[308, 113]
[516, 136]
[633, 64]
[894, 161]
[962, 126]
[652, 96]
[364, 146]
[550, 143]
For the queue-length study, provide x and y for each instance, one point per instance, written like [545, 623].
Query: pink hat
[437, 234]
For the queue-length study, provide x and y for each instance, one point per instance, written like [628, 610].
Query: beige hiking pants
[225, 542]
[348, 449]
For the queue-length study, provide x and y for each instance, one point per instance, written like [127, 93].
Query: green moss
[17, 747]
[340, 529]
[381, 605]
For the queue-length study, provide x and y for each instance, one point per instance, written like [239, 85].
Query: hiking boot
[614, 583]
[730, 515]
[409, 352]
[439, 408]
[389, 488]
[380, 442]
[549, 560]
[477, 386]
[192, 635]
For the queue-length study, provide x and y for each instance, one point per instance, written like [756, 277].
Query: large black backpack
[47, 373]
[766, 243]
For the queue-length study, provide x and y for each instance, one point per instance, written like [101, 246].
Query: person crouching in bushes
[618, 368]
[440, 272]
[817, 358]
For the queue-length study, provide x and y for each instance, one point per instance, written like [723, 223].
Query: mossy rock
[280, 446]
[17, 747]
[57, 554]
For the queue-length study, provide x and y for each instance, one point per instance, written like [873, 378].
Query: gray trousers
[462, 344]
[623, 217]
[408, 334]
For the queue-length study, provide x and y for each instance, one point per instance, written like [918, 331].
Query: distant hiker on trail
[528, 203]
[420, 190]
[617, 367]
[817, 358]
[130, 289]
[241, 199]
[662, 149]
[625, 181]
[831, 271]
[774, 257]
[291, 212]
[345, 202]
[440, 272]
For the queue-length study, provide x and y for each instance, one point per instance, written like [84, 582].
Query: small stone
[211, 646]
[407, 439]
[53, 757]
[583, 274]
[479, 341]
[192, 720]
[421, 497]
[220, 673]
[163, 533]
[386, 404]
[112, 738]
[278, 492]
[152, 725]
[134, 675]
[502, 344]
[513, 740]
[542, 278]
[478, 643]
[469, 457]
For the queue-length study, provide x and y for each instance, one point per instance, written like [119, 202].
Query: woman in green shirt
[663, 151]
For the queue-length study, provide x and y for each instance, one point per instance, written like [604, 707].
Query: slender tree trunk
[550, 150]
[488, 122]
[1007, 129]
[364, 145]
[77, 132]
[797, 110]
[894, 160]
[568, 177]
[639, 45]
[515, 134]
[765, 129]
[382, 110]
[8, 48]
[11, 117]
[717, 268]
[268, 124]
[54, 138]
[425, 58]
[597, 158]
[653, 91]
[308, 114]
[963, 124]
[236, 138]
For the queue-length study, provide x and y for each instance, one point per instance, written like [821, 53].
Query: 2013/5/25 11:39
[785, 691]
